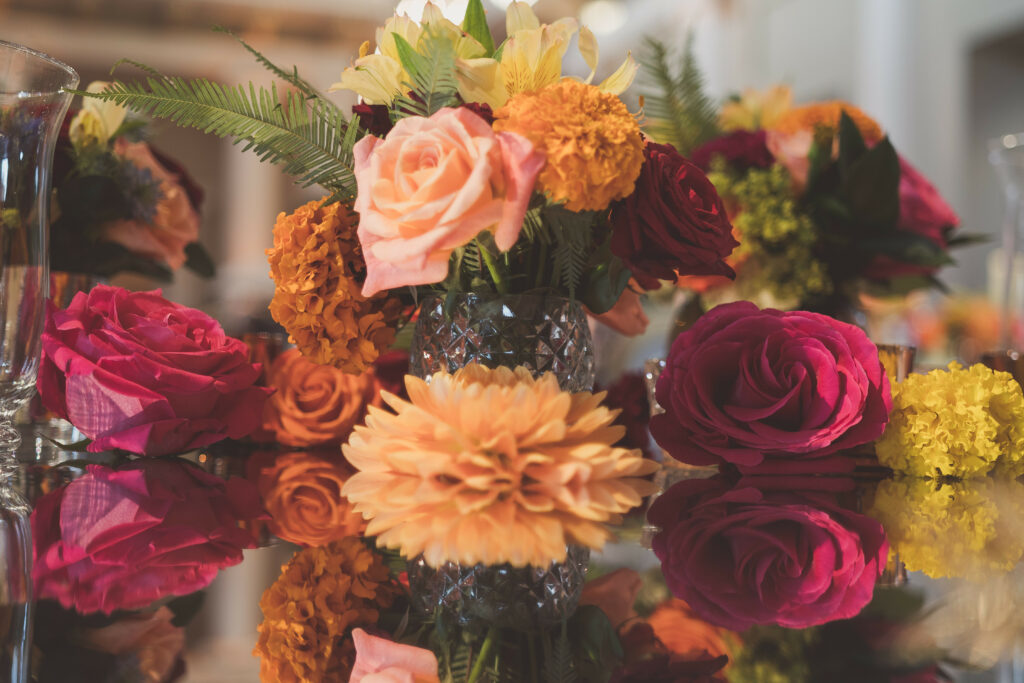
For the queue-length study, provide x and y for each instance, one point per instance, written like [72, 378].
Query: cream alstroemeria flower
[756, 109]
[379, 77]
[531, 58]
[97, 120]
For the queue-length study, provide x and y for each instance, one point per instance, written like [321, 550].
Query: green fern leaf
[678, 111]
[558, 667]
[572, 235]
[311, 140]
[433, 83]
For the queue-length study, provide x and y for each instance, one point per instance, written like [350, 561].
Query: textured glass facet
[502, 595]
[543, 334]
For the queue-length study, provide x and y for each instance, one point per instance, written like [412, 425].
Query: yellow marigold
[321, 595]
[592, 143]
[317, 267]
[968, 529]
[826, 115]
[958, 423]
[492, 466]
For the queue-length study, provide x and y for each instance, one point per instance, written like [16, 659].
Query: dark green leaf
[475, 24]
[186, 607]
[966, 239]
[603, 285]
[908, 247]
[198, 260]
[871, 187]
[76, 447]
[851, 143]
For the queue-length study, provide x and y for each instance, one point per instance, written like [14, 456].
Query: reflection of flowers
[815, 561]
[379, 660]
[957, 422]
[321, 595]
[120, 539]
[302, 494]
[972, 529]
[134, 371]
[315, 405]
[492, 466]
[745, 385]
[150, 638]
[592, 143]
[317, 268]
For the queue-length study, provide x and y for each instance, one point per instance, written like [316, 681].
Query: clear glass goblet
[33, 102]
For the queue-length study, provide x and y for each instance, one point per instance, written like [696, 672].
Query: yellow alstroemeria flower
[97, 120]
[531, 58]
[379, 77]
[756, 109]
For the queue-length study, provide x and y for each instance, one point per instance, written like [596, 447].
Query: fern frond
[558, 666]
[311, 140]
[678, 111]
[433, 83]
[572, 234]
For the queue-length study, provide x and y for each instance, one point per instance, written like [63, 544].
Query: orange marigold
[321, 595]
[492, 466]
[592, 143]
[318, 268]
[810, 117]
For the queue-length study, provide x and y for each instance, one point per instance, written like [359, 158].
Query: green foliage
[558, 660]
[572, 235]
[310, 139]
[433, 83]
[475, 24]
[678, 111]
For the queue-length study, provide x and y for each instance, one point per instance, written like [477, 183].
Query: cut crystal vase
[542, 334]
[33, 102]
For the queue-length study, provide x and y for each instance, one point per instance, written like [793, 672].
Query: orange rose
[175, 224]
[315, 405]
[302, 493]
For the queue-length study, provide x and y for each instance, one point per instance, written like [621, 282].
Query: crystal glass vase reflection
[33, 101]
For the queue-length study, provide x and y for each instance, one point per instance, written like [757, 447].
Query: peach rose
[431, 186]
[151, 637]
[315, 405]
[175, 224]
[627, 316]
[615, 594]
[379, 660]
[302, 493]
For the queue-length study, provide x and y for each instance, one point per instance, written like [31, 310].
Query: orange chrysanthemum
[321, 595]
[317, 266]
[811, 117]
[492, 466]
[592, 143]
[301, 492]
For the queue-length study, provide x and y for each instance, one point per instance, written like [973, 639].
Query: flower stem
[481, 659]
[492, 268]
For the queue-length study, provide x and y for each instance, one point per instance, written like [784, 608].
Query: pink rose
[134, 371]
[743, 385]
[379, 660]
[431, 186]
[151, 638]
[793, 151]
[176, 223]
[121, 539]
[742, 555]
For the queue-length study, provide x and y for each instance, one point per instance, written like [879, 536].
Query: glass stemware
[33, 102]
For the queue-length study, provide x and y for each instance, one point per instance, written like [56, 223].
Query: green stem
[492, 267]
[481, 659]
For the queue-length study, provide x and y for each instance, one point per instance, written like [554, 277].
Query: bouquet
[823, 205]
[121, 205]
[468, 167]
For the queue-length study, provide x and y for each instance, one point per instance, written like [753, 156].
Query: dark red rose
[673, 224]
[666, 669]
[744, 385]
[481, 109]
[375, 118]
[778, 554]
[741, 150]
[391, 369]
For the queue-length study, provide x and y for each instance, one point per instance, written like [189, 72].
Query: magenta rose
[741, 150]
[122, 538]
[134, 371]
[923, 212]
[673, 224]
[743, 385]
[744, 556]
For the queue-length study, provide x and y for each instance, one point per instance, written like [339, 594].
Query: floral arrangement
[955, 422]
[468, 168]
[121, 205]
[758, 388]
[823, 206]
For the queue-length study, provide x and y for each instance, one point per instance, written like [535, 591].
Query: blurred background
[944, 78]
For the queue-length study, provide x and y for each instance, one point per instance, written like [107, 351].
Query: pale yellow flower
[531, 59]
[756, 109]
[379, 77]
[97, 121]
